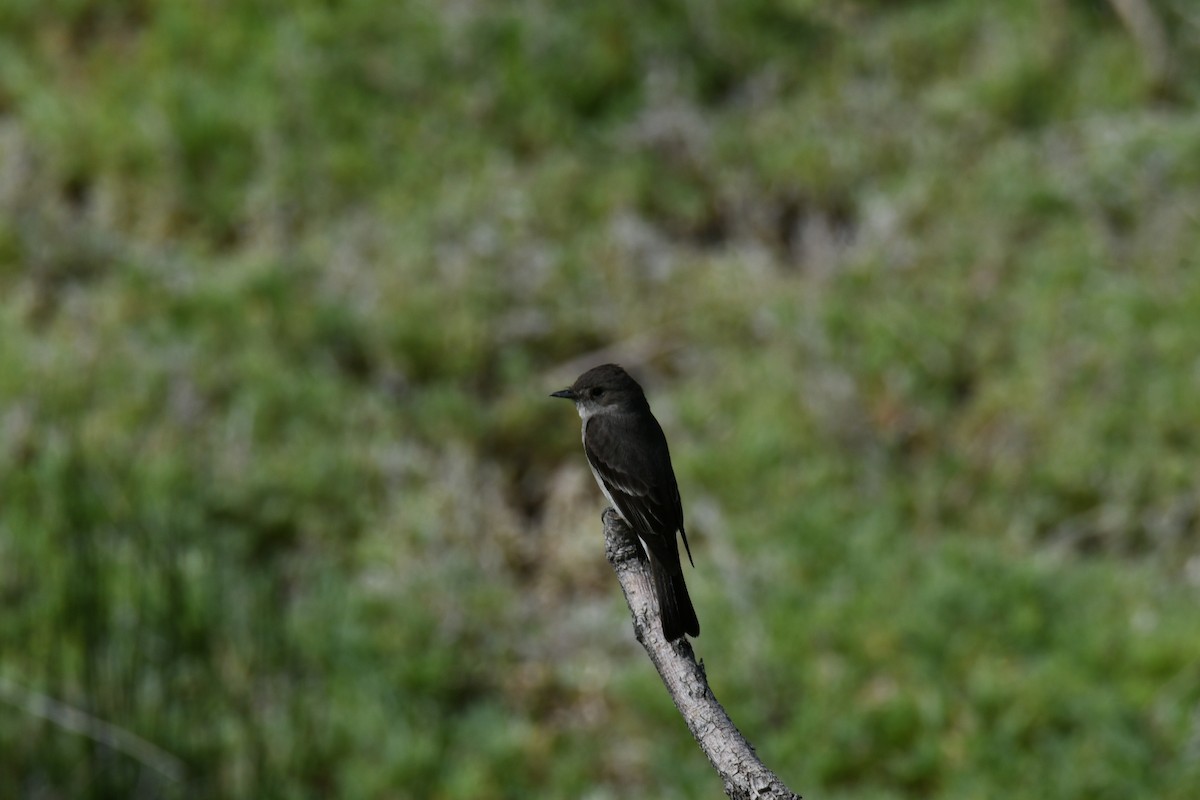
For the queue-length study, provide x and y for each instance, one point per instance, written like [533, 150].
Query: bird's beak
[567, 393]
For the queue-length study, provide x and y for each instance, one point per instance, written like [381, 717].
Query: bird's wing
[649, 508]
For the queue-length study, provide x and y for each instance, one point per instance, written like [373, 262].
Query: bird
[629, 458]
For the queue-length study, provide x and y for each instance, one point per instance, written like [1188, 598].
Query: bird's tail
[678, 615]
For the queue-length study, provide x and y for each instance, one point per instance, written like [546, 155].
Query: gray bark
[744, 775]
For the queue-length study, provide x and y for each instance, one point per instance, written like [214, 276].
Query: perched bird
[628, 454]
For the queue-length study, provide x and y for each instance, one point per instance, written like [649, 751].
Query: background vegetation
[913, 287]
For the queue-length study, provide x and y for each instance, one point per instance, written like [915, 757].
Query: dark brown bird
[628, 454]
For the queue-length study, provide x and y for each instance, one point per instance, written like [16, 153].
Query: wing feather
[644, 493]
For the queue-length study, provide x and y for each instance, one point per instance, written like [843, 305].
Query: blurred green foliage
[283, 287]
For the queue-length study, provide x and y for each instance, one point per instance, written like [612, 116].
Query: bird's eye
[597, 392]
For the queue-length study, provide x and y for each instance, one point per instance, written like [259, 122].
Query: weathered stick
[1149, 35]
[745, 776]
[111, 736]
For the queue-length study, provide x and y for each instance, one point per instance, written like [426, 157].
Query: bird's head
[603, 389]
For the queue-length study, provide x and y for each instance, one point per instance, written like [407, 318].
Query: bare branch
[745, 776]
[1148, 33]
[82, 723]
[638, 350]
